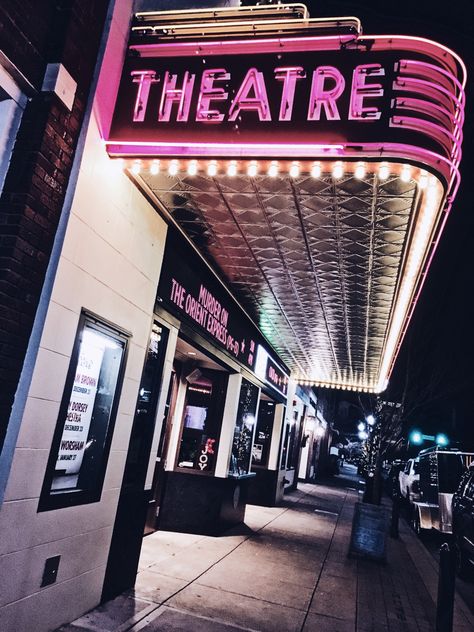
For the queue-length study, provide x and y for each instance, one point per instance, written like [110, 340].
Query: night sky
[437, 354]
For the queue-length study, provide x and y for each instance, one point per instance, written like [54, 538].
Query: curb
[428, 570]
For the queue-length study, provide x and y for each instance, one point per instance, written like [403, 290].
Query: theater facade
[257, 201]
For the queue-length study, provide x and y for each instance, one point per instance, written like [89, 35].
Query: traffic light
[416, 437]
[441, 440]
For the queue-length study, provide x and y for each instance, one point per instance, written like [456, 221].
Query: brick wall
[32, 34]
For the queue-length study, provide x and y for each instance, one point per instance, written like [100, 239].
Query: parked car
[391, 478]
[463, 524]
[440, 470]
[409, 480]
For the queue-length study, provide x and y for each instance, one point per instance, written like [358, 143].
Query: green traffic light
[441, 439]
[416, 437]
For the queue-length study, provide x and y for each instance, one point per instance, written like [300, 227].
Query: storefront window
[81, 443]
[263, 434]
[244, 429]
[202, 420]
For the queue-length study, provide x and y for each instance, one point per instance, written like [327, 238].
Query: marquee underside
[320, 263]
[312, 166]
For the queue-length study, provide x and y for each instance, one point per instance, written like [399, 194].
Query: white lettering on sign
[323, 96]
[327, 87]
[209, 92]
[207, 312]
[362, 90]
[208, 449]
[81, 404]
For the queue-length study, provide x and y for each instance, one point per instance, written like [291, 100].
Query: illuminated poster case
[81, 443]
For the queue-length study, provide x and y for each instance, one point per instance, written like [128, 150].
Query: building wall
[109, 264]
[32, 35]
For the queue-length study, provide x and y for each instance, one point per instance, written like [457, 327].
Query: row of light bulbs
[342, 387]
[295, 169]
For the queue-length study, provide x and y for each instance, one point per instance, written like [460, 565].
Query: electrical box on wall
[58, 80]
[50, 572]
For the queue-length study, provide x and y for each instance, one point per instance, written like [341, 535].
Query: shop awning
[320, 182]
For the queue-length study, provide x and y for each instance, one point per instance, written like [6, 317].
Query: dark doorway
[133, 502]
[159, 472]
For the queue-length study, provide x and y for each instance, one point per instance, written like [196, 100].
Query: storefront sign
[206, 456]
[188, 289]
[400, 91]
[270, 372]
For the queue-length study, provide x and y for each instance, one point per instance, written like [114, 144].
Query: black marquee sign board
[188, 289]
[352, 96]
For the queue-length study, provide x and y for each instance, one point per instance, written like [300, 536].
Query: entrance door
[127, 536]
[158, 475]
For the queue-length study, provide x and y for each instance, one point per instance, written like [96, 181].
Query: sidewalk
[285, 570]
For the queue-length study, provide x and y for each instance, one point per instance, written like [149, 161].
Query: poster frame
[50, 500]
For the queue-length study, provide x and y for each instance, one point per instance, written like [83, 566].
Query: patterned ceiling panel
[315, 262]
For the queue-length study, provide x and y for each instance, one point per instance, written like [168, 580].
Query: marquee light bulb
[173, 168]
[192, 168]
[423, 180]
[155, 167]
[294, 169]
[252, 169]
[136, 167]
[273, 169]
[360, 170]
[384, 171]
[232, 168]
[212, 168]
[316, 170]
[338, 170]
[405, 173]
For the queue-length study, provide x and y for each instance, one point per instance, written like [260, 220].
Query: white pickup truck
[407, 477]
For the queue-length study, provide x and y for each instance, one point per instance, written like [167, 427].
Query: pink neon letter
[171, 95]
[209, 92]
[144, 78]
[361, 90]
[320, 97]
[289, 76]
[253, 80]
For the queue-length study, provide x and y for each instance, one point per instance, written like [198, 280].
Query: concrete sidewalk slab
[287, 570]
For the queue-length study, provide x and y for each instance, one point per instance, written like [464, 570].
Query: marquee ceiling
[317, 262]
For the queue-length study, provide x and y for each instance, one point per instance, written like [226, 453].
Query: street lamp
[370, 420]
[361, 426]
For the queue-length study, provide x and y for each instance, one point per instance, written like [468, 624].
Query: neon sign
[381, 96]
[326, 88]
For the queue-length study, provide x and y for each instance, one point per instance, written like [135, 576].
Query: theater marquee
[316, 169]
[301, 97]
